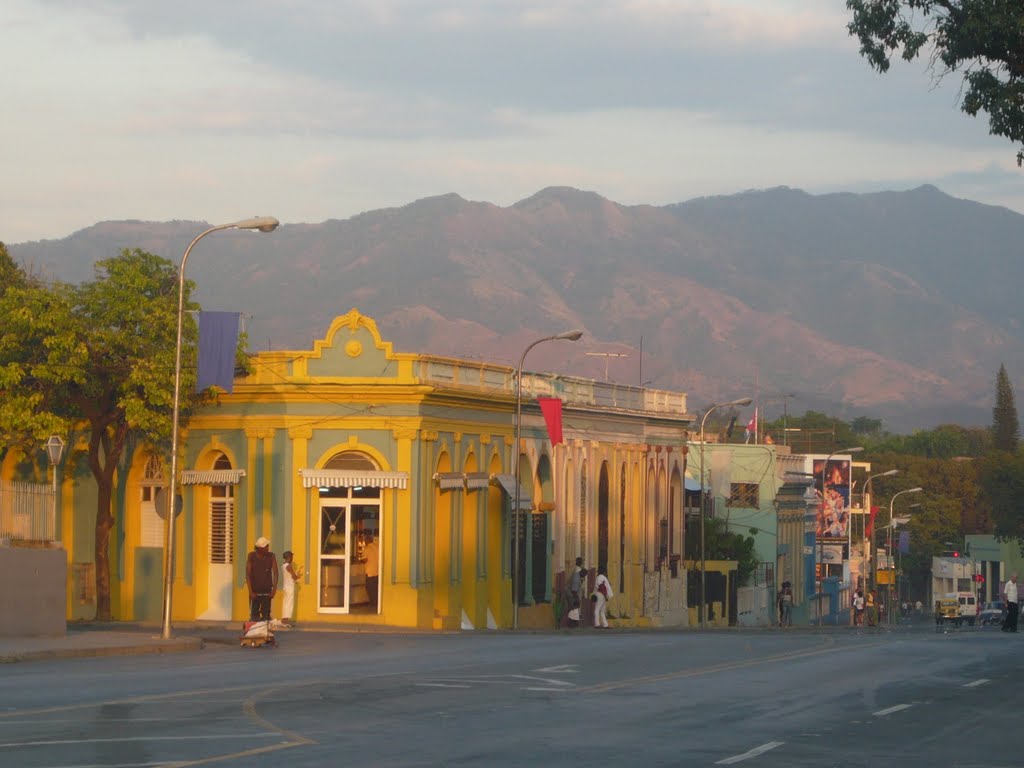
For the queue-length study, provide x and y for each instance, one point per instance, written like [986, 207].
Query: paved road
[758, 699]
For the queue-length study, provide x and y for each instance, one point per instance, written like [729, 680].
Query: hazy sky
[315, 109]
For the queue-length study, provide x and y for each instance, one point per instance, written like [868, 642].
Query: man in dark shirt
[261, 578]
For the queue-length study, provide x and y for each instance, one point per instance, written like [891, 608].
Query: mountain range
[892, 305]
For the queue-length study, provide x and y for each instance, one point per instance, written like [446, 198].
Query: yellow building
[326, 450]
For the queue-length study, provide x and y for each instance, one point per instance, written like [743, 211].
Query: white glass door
[335, 573]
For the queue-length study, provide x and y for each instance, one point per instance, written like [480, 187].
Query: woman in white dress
[603, 593]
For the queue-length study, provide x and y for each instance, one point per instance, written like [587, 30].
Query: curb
[162, 647]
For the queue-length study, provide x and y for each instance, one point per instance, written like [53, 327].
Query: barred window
[744, 495]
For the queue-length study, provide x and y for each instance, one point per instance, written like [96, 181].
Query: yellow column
[398, 598]
[305, 600]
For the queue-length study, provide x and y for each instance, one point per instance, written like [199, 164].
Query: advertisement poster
[832, 486]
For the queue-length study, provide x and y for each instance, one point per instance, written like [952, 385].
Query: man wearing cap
[261, 578]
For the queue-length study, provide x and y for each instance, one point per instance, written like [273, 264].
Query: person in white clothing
[1010, 590]
[288, 581]
[603, 593]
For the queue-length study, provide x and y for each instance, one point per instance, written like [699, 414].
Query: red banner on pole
[551, 407]
[871, 523]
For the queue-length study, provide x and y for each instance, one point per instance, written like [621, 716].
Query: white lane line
[58, 742]
[559, 668]
[890, 710]
[440, 685]
[976, 683]
[560, 690]
[752, 753]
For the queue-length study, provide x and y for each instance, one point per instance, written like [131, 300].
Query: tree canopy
[1005, 424]
[97, 357]
[979, 38]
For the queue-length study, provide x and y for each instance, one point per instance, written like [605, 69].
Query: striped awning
[476, 481]
[211, 476]
[450, 481]
[508, 484]
[350, 478]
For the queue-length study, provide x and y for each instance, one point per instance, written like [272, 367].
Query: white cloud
[308, 109]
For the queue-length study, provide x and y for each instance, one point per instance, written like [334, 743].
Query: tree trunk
[104, 524]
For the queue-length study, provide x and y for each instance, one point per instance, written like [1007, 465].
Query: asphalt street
[760, 698]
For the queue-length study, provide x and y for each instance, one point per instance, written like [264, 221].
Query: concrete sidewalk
[91, 639]
[82, 642]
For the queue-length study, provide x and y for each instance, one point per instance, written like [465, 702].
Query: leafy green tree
[31, 348]
[1005, 425]
[979, 38]
[867, 427]
[722, 544]
[931, 525]
[99, 356]
[11, 275]
[1001, 476]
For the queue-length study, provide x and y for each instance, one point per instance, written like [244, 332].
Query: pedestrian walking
[602, 593]
[786, 600]
[261, 579]
[858, 608]
[572, 593]
[1010, 592]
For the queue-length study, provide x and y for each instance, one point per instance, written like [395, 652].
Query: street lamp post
[867, 510]
[54, 450]
[888, 594]
[573, 335]
[703, 498]
[821, 540]
[260, 224]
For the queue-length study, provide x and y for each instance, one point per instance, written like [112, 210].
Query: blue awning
[691, 485]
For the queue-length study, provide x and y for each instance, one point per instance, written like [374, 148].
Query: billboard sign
[832, 487]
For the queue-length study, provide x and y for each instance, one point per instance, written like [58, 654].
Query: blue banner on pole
[904, 543]
[218, 340]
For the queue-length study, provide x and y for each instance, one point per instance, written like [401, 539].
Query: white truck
[953, 577]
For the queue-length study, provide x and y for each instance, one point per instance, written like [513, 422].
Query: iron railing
[27, 512]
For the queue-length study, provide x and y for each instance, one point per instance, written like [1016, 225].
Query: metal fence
[26, 512]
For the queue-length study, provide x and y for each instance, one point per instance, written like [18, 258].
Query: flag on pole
[870, 528]
[751, 428]
[903, 545]
[551, 407]
[218, 340]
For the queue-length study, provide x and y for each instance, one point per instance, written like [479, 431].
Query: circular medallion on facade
[353, 348]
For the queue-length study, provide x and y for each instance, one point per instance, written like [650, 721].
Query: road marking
[827, 647]
[559, 690]
[752, 753]
[559, 668]
[58, 742]
[975, 683]
[890, 710]
[440, 685]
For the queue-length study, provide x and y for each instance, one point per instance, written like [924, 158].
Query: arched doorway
[348, 533]
[221, 557]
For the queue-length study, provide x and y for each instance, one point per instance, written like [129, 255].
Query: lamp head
[890, 473]
[54, 449]
[573, 335]
[259, 223]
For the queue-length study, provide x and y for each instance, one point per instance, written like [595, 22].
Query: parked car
[993, 612]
